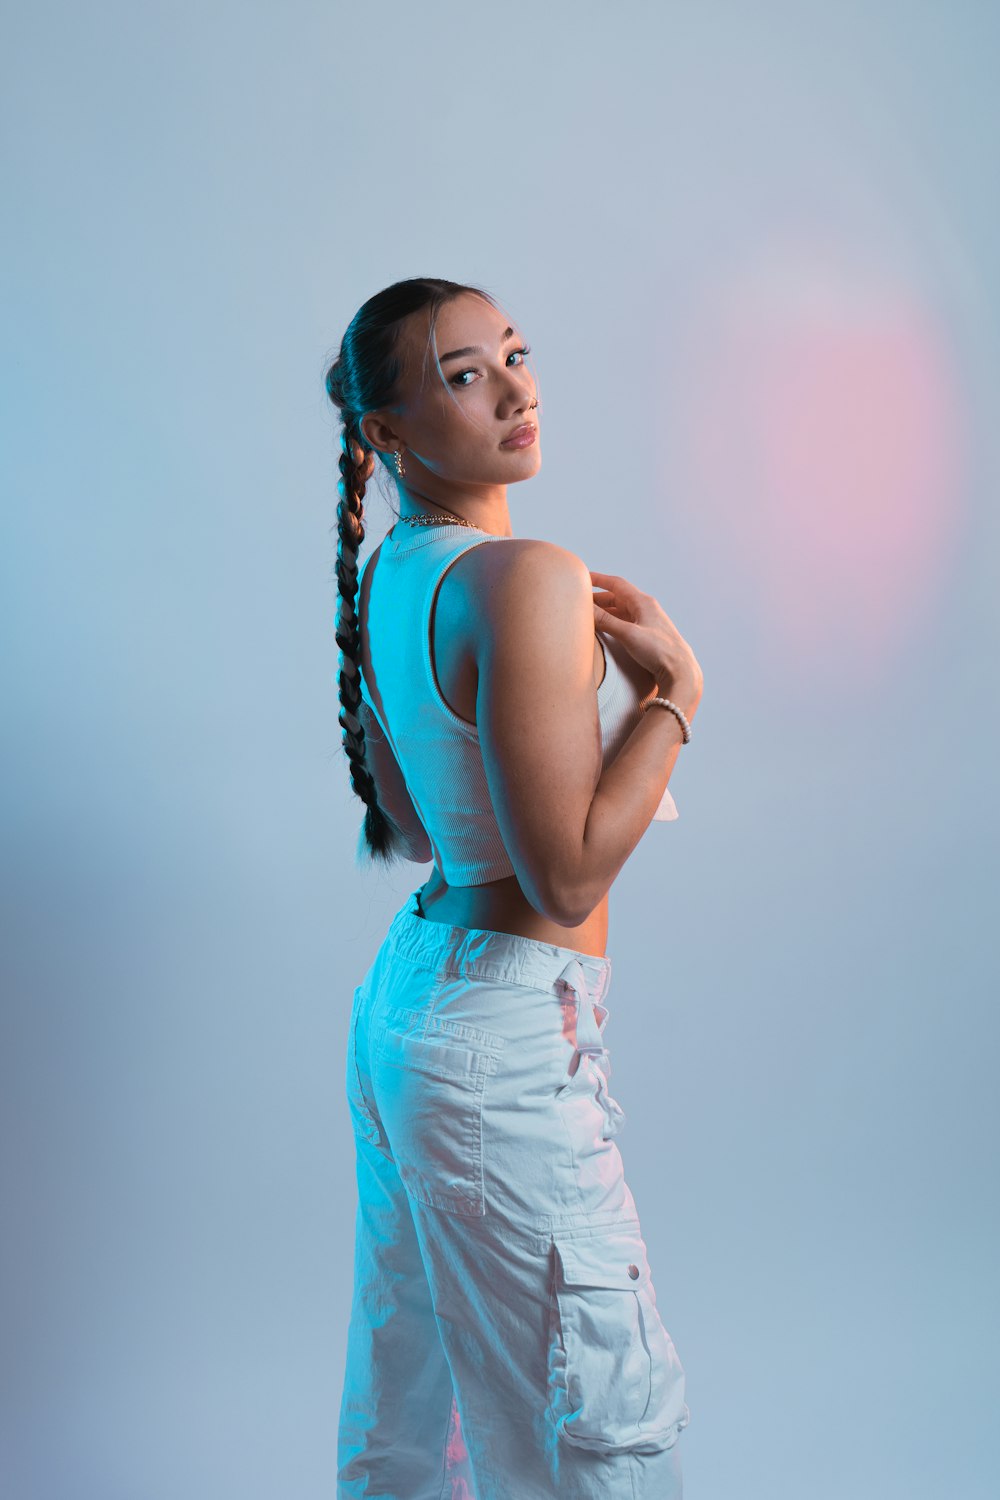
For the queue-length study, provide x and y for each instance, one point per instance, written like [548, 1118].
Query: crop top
[438, 752]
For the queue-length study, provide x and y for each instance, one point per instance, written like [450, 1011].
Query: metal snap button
[633, 1271]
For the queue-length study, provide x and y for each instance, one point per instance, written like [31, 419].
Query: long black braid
[381, 835]
[363, 378]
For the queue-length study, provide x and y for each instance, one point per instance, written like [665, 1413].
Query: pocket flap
[615, 1257]
[615, 1382]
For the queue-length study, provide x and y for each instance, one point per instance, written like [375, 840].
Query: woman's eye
[456, 379]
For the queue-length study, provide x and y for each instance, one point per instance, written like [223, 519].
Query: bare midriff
[501, 906]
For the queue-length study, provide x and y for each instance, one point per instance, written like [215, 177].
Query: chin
[531, 462]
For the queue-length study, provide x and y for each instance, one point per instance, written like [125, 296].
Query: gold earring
[399, 464]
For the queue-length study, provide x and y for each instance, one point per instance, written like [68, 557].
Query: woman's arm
[568, 821]
[393, 795]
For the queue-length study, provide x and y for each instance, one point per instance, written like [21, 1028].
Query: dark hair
[363, 378]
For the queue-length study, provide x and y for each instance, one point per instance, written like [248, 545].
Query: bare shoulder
[501, 576]
[517, 552]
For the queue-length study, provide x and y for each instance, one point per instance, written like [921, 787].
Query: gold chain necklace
[437, 521]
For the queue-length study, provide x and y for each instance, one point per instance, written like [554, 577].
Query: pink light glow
[459, 1473]
[823, 444]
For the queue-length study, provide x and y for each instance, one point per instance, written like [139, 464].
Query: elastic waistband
[479, 951]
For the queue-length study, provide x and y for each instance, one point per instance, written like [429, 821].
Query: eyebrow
[475, 349]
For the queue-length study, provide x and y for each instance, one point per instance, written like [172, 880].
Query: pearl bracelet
[685, 726]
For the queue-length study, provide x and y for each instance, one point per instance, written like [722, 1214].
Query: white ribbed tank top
[438, 752]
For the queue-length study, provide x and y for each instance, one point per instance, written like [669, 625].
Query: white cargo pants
[504, 1339]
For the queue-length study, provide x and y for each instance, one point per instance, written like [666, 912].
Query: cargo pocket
[615, 1382]
[430, 1075]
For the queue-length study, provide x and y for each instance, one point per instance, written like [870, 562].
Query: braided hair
[363, 378]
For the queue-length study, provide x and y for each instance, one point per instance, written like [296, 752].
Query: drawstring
[590, 1020]
[590, 1016]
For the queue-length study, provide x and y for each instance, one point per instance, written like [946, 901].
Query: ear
[378, 432]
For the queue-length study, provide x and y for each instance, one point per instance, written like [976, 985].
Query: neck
[489, 515]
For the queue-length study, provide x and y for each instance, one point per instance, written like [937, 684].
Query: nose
[522, 395]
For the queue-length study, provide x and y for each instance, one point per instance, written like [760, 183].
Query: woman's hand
[650, 636]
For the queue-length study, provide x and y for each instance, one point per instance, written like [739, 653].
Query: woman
[504, 1341]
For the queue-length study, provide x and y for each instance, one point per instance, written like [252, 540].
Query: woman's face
[461, 394]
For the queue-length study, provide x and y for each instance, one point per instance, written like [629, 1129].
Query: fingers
[612, 611]
[616, 584]
[610, 605]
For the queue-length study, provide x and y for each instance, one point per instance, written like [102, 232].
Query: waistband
[480, 951]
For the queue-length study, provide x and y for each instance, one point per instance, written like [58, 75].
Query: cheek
[460, 432]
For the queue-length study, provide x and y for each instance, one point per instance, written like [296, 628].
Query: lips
[519, 433]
